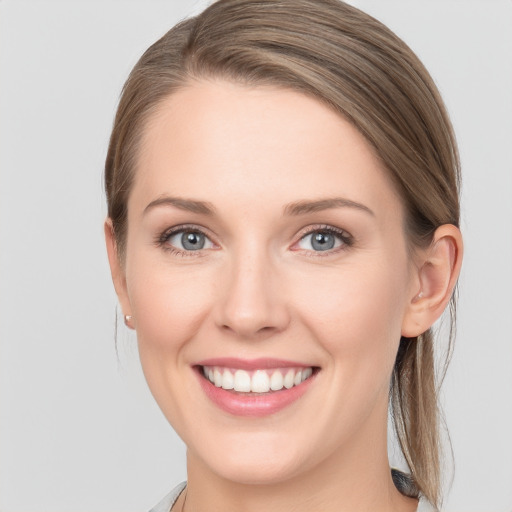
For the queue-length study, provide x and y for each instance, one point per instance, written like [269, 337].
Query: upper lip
[251, 364]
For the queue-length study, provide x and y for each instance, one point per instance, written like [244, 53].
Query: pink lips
[251, 404]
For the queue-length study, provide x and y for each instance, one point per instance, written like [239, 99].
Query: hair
[351, 62]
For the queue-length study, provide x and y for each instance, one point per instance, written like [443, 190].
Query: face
[265, 253]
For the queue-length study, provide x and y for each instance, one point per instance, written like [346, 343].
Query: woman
[282, 186]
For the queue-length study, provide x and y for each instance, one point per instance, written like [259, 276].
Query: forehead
[217, 141]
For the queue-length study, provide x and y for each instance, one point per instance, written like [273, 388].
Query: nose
[252, 303]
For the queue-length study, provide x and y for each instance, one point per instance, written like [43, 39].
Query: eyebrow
[303, 207]
[189, 205]
[294, 209]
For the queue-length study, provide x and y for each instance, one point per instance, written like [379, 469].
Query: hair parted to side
[358, 67]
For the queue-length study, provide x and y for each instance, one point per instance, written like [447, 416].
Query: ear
[437, 270]
[117, 270]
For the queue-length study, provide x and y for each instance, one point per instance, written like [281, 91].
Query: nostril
[250, 331]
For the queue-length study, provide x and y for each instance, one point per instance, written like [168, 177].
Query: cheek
[356, 312]
[168, 304]
[169, 307]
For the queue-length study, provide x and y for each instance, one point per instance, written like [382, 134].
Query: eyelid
[161, 239]
[346, 238]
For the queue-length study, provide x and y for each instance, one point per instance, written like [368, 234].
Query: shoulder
[166, 503]
[405, 484]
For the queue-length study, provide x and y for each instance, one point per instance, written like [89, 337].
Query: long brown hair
[359, 68]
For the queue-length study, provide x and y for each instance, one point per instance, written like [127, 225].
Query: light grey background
[78, 429]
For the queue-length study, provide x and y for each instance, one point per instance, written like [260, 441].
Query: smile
[256, 381]
[254, 388]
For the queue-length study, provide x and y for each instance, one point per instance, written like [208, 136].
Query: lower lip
[252, 404]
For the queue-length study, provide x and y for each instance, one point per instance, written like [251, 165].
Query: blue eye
[323, 240]
[188, 240]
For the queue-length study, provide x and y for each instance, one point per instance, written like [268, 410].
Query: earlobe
[437, 273]
[116, 269]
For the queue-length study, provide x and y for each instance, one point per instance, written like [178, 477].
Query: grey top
[168, 502]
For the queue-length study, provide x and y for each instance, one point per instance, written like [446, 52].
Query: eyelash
[163, 239]
[346, 239]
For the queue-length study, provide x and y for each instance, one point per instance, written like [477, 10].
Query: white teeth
[258, 381]
[306, 373]
[242, 381]
[217, 378]
[276, 381]
[288, 379]
[228, 382]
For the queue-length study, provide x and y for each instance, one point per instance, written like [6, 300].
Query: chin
[256, 472]
[253, 460]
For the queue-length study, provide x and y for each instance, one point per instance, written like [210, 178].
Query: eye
[326, 239]
[186, 240]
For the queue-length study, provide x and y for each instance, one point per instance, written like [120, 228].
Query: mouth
[254, 388]
[256, 381]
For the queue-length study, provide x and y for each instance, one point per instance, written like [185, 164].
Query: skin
[258, 289]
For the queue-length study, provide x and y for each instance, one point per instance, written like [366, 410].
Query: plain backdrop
[78, 429]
